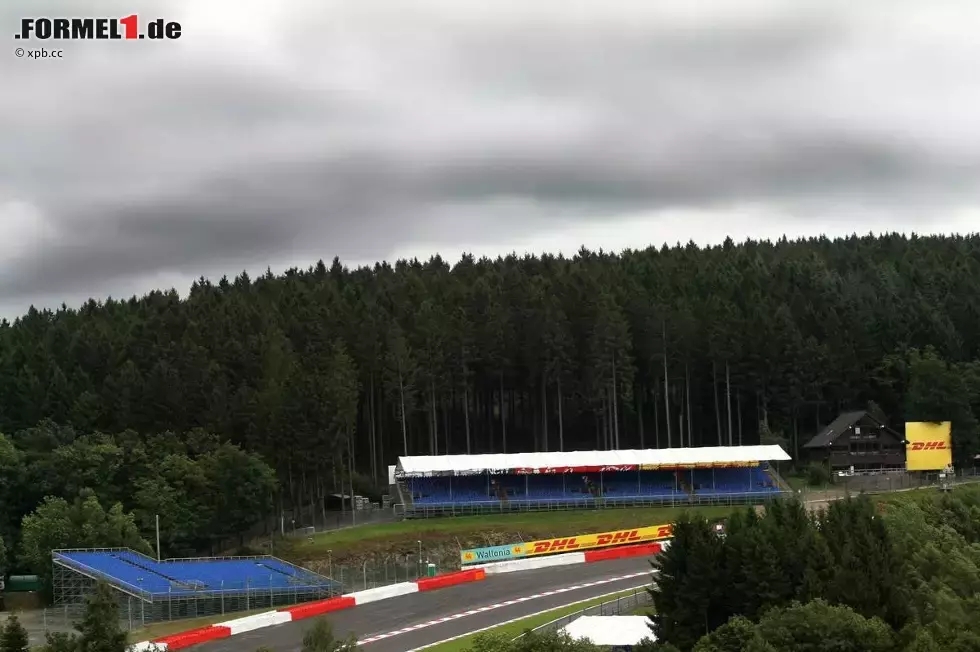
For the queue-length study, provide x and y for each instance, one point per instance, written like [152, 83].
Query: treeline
[331, 372]
[850, 578]
[62, 489]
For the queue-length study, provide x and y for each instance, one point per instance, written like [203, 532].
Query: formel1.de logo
[82, 29]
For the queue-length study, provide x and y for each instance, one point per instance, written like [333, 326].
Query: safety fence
[498, 507]
[618, 606]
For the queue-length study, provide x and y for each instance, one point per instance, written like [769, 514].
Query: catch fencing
[883, 482]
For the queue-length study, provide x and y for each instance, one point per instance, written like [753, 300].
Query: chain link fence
[621, 605]
[389, 569]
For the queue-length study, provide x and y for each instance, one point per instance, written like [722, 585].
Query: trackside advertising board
[564, 544]
[930, 446]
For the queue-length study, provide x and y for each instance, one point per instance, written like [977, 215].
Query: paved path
[419, 619]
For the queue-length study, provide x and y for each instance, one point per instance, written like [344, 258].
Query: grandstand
[181, 588]
[474, 484]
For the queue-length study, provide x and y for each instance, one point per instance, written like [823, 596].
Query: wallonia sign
[565, 544]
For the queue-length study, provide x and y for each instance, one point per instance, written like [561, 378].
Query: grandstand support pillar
[525, 487]
[222, 597]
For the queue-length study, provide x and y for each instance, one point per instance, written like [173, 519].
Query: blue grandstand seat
[445, 491]
[176, 577]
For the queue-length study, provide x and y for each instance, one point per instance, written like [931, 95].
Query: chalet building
[857, 439]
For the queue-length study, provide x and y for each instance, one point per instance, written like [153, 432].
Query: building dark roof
[827, 436]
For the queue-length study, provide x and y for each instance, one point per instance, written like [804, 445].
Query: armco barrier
[530, 564]
[319, 607]
[384, 592]
[194, 636]
[257, 621]
[451, 579]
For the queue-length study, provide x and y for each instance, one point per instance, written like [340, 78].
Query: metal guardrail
[640, 597]
[497, 507]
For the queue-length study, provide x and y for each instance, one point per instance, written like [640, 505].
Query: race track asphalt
[395, 614]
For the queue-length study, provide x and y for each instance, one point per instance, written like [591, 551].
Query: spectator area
[585, 476]
[137, 573]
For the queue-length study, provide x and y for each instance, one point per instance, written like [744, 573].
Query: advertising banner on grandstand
[699, 465]
[565, 544]
[930, 446]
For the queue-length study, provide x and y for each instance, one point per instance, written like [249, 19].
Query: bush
[817, 475]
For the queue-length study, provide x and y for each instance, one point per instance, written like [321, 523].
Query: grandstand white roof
[573, 460]
[610, 630]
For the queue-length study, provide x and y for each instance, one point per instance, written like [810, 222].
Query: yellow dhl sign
[930, 446]
[600, 540]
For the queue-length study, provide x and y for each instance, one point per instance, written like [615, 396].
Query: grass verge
[516, 628]
[489, 529]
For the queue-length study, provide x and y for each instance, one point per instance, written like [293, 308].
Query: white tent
[611, 630]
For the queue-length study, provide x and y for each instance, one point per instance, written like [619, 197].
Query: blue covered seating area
[144, 576]
[569, 480]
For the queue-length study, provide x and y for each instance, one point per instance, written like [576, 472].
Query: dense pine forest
[332, 372]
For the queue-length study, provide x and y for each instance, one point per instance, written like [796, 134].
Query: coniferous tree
[14, 637]
[99, 629]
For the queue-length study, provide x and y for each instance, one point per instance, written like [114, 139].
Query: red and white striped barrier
[320, 607]
[306, 610]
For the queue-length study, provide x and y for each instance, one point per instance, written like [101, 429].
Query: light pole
[420, 557]
[330, 564]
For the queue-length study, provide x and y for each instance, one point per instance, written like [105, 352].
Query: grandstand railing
[96, 574]
[558, 504]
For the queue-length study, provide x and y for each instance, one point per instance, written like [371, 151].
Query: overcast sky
[278, 133]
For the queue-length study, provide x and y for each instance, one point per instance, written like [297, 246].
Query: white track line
[520, 618]
[499, 605]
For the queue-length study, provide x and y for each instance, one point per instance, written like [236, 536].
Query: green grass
[470, 531]
[516, 628]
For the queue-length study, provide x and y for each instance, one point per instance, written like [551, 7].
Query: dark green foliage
[817, 474]
[14, 636]
[849, 578]
[82, 523]
[59, 642]
[531, 642]
[688, 595]
[314, 366]
[330, 373]
[813, 627]
[320, 638]
[99, 630]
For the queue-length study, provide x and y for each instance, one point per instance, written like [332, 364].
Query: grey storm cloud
[284, 132]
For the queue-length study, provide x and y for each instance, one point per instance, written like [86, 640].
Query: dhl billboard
[930, 445]
[565, 544]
